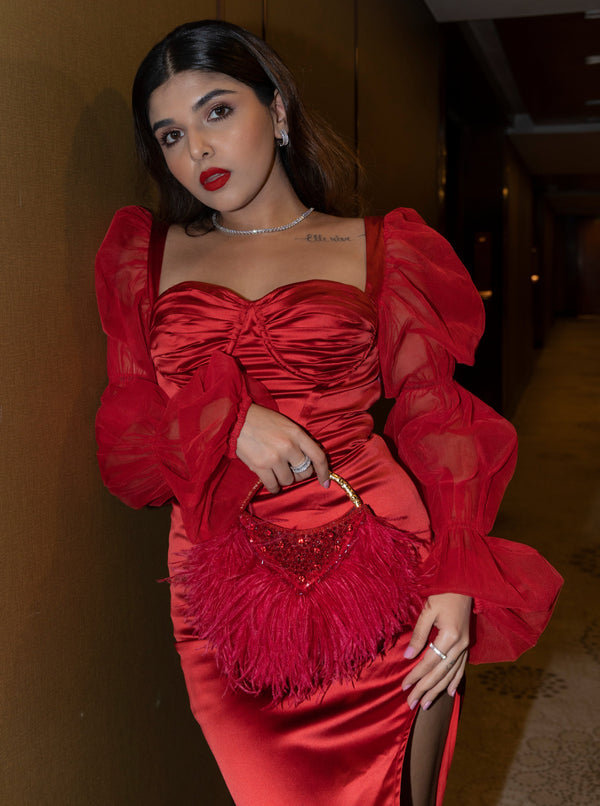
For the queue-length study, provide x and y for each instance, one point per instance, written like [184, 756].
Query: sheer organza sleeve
[460, 451]
[152, 447]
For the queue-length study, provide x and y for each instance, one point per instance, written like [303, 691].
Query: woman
[248, 335]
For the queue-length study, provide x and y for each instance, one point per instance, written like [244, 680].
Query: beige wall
[398, 105]
[93, 707]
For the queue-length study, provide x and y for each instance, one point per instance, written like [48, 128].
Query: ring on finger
[433, 647]
[304, 465]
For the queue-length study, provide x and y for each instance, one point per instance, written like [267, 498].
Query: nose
[199, 146]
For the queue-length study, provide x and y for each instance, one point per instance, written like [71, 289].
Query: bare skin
[206, 121]
[253, 267]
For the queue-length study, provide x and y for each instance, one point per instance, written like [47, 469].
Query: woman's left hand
[451, 614]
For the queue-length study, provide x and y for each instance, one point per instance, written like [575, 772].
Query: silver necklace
[262, 231]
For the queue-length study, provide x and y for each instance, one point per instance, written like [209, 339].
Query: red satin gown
[184, 367]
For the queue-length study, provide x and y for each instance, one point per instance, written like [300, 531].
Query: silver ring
[437, 651]
[304, 465]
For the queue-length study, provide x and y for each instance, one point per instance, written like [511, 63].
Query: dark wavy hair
[322, 169]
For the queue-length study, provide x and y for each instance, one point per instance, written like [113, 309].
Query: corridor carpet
[530, 733]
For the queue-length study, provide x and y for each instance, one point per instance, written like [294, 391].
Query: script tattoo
[312, 237]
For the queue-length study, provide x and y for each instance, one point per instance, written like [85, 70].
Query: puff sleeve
[152, 447]
[461, 453]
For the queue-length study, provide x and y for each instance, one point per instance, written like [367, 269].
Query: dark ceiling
[546, 66]
[547, 57]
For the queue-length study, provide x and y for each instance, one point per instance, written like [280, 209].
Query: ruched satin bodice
[311, 343]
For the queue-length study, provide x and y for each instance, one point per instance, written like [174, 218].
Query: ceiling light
[592, 59]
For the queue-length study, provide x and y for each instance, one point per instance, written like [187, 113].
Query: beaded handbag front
[303, 556]
[289, 611]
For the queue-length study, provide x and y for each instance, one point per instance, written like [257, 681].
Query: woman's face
[217, 138]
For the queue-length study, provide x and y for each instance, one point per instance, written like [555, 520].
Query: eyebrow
[197, 105]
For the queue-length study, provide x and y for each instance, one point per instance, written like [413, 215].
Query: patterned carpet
[530, 734]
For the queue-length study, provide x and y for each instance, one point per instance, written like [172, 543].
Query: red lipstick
[214, 178]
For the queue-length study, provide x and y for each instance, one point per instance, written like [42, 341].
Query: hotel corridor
[530, 734]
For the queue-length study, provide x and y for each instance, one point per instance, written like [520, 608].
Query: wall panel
[93, 706]
[247, 13]
[517, 303]
[588, 265]
[316, 40]
[398, 105]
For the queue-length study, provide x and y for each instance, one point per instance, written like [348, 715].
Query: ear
[278, 115]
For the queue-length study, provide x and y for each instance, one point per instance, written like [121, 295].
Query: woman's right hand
[269, 443]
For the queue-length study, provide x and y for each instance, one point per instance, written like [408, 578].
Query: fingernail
[406, 686]
[413, 705]
[451, 692]
[426, 705]
[409, 652]
[326, 484]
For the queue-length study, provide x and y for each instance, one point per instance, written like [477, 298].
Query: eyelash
[164, 138]
[225, 112]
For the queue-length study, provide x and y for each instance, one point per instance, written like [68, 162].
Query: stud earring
[285, 138]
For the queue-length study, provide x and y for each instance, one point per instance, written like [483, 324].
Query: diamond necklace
[283, 227]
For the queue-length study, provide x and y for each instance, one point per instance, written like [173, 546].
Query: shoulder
[126, 242]
[425, 277]
[408, 237]
[129, 226]
[122, 263]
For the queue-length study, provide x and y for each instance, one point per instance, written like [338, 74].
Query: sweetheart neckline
[286, 286]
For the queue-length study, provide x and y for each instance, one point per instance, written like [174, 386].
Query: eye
[220, 112]
[169, 138]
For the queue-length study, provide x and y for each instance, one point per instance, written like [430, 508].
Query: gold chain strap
[350, 491]
[346, 487]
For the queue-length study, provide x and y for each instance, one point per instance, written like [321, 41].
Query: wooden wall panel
[93, 705]
[545, 239]
[517, 304]
[316, 40]
[589, 267]
[247, 13]
[398, 105]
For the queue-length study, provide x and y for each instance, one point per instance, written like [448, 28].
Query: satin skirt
[342, 747]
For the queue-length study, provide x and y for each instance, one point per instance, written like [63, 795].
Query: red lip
[214, 178]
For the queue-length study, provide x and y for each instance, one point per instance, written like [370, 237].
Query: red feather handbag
[290, 611]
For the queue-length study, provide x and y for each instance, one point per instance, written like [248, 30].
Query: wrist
[244, 406]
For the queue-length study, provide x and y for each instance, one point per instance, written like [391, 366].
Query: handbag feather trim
[282, 623]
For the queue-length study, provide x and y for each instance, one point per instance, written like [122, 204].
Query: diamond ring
[304, 465]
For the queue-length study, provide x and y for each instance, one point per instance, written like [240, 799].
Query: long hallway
[530, 734]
